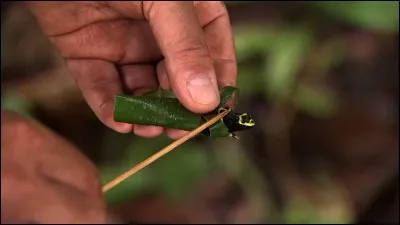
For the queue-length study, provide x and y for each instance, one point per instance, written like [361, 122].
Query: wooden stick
[162, 152]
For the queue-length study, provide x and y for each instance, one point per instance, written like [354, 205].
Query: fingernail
[202, 90]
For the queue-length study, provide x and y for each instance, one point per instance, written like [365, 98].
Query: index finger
[214, 18]
[188, 61]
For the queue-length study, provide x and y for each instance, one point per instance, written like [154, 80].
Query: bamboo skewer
[162, 152]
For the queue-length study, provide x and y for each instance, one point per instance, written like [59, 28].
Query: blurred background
[321, 80]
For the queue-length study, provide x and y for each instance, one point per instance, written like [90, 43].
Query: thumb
[188, 63]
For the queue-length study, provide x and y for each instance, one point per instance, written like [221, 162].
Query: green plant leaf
[317, 102]
[376, 15]
[249, 79]
[14, 102]
[284, 62]
[254, 40]
[143, 181]
[173, 175]
[149, 110]
[130, 188]
[226, 93]
[165, 112]
[179, 172]
[219, 129]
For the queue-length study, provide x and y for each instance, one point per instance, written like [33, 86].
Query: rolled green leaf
[218, 129]
[148, 110]
[226, 93]
[162, 108]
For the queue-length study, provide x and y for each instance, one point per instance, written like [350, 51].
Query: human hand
[44, 179]
[133, 47]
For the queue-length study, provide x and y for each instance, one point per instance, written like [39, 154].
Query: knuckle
[211, 11]
[148, 8]
[190, 49]
[209, 3]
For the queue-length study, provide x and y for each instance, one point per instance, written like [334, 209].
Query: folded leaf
[162, 108]
[148, 110]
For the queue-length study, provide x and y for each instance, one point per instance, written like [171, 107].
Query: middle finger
[137, 80]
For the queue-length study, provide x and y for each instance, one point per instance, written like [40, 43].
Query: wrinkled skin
[134, 47]
[110, 48]
[44, 179]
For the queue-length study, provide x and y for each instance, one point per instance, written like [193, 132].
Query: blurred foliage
[285, 60]
[270, 60]
[315, 101]
[284, 54]
[375, 15]
[16, 103]
[173, 175]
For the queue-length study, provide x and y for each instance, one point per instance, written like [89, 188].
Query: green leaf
[375, 15]
[179, 172]
[143, 181]
[317, 102]
[129, 188]
[284, 62]
[14, 102]
[249, 79]
[219, 129]
[252, 41]
[334, 209]
[173, 175]
[149, 110]
[165, 111]
[226, 93]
